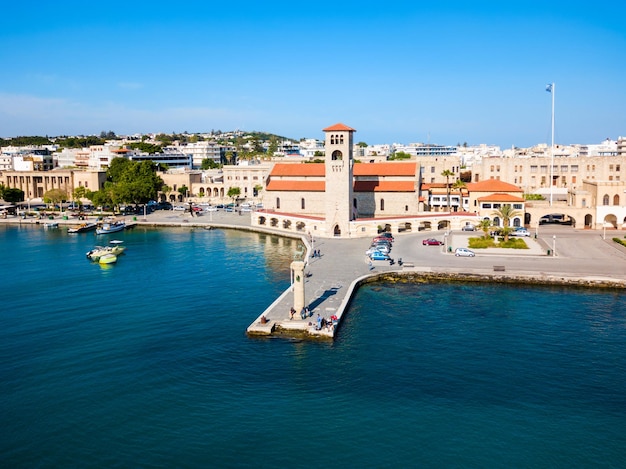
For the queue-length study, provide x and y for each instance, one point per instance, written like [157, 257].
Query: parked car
[520, 232]
[385, 234]
[378, 239]
[431, 242]
[379, 256]
[381, 248]
[180, 208]
[463, 252]
[468, 227]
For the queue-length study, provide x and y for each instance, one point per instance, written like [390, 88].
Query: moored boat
[111, 227]
[83, 228]
[99, 251]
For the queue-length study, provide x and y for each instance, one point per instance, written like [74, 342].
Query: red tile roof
[500, 198]
[384, 186]
[492, 185]
[385, 169]
[299, 169]
[338, 127]
[304, 186]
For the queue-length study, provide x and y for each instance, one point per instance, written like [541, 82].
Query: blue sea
[146, 363]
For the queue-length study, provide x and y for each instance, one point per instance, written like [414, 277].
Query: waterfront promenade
[582, 257]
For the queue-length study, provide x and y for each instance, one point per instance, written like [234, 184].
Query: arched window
[616, 199]
[584, 202]
[277, 202]
[382, 204]
[332, 139]
[516, 222]
[496, 221]
[337, 155]
[341, 139]
[302, 203]
[605, 200]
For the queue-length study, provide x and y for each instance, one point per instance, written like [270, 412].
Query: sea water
[145, 363]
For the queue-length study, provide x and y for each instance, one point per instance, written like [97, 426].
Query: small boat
[83, 228]
[99, 251]
[108, 259]
[52, 224]
[111, 227]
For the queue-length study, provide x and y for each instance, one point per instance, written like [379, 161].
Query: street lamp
[553, 245]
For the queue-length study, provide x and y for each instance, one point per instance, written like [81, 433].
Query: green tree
[459, 186]
[80, 193]
[447, 173]
[273, 145]
[182, 190]
[132, 181]
[165, 189]
[485, 226]
[506, 213]
[12, 195]
[209, 163]
[233, 192]
[55, 196]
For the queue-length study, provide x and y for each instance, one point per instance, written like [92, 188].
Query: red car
[431, 242]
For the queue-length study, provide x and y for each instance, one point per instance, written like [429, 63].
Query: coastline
[334, 278]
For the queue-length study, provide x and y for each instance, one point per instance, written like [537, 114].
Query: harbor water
[145, 363]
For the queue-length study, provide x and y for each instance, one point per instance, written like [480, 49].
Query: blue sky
[443, 72]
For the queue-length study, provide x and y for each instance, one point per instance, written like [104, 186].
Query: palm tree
[460, 185]
[485, 225]
[506, 212]
[447, 173]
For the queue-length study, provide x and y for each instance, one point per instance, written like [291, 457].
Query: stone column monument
[297, 274]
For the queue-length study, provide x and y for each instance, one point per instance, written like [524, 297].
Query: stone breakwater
[511, 279]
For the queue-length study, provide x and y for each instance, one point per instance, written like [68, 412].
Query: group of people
[329, 324]
[316, 253]
[304, 313]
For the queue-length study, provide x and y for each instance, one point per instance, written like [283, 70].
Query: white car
[210, 208]
[463, 252]
[521, 232]
[180, 208]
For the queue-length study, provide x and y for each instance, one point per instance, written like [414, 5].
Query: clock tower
[339, 179]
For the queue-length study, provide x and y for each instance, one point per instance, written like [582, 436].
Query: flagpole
[552, 92]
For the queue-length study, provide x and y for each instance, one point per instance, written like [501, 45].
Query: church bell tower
[339, 179]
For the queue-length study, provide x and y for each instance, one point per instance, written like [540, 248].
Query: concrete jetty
[582, 259]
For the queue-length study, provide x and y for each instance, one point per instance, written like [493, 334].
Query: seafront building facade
[585, 183]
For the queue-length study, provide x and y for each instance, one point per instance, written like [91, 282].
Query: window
[584, 202]
[517, 206]
[491, 168]
[277, 202]
[533, 168]
[382, 204]
[302, 204]
[564, 168]
[486, 205]
[573, 179]
[605, 199]
[617, 168]
[432, 169]
[337, 155]
[616, 199]
[544, 168]
[574, 168]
